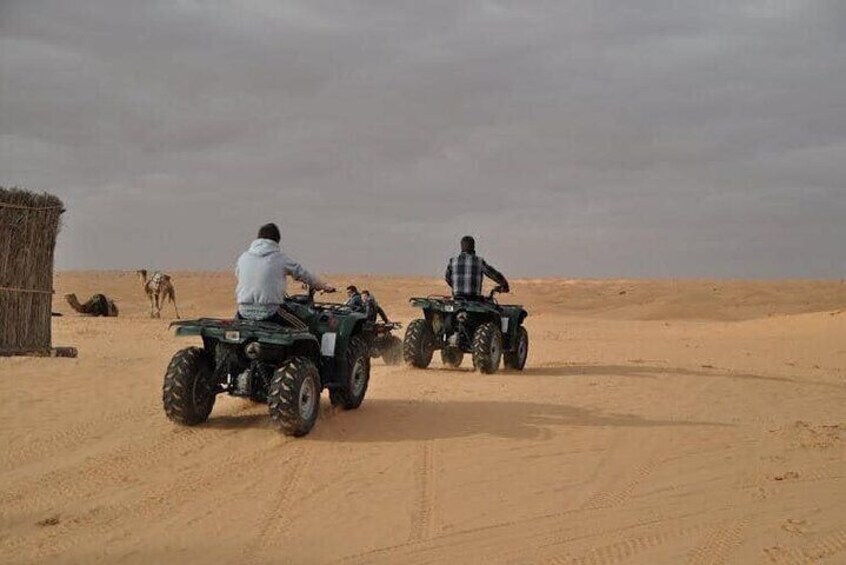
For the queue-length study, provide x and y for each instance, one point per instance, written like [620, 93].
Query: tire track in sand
[424, 537]
[623, 550]
[156, 506]
[422, 522]
[618, 495]
[718, 544]
[277, 520]
[549, 534]
[106, 469]
[73, 436]
[159, 504]
[60, 484]
[824, 547]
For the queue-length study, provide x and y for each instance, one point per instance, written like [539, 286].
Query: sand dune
[657, 422]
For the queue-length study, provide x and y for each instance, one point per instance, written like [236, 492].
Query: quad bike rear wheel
[356, 376]
[294, 396]
[452, 357]
[487, 348]
[392, 352]
[516, 360]
[419, 344]
[188, 394]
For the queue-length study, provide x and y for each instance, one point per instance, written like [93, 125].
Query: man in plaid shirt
[465, 272]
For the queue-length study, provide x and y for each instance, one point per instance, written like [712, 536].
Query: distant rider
[372, 308]
[466, 270]
[354, 301]
[261, 272]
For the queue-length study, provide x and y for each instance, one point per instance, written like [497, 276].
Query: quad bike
[386, 345]
[325, 347]
[483, 328]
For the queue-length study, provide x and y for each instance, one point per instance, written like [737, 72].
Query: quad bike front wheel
[356, 377]
[516, 360]
[419, 344]
[452, 357]
[188, 394]
[487, 348]
[392, 352]
[294, 396]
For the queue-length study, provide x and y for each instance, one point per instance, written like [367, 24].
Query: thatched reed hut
[29, 224]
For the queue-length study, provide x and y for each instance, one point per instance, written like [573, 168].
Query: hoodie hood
[263, 247]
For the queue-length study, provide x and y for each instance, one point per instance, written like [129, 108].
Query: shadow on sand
[394, 420]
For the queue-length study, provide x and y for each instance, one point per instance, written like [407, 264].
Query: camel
[97, 305]
[158, 288]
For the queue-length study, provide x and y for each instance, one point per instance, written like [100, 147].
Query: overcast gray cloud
[574, 138]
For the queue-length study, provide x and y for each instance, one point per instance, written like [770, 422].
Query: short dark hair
[365, 291]
[269, 231]
[468, 244]
[352, 288]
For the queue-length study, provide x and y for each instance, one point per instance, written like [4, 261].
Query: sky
[572, 138]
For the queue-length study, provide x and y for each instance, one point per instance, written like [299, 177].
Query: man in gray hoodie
[261, 272]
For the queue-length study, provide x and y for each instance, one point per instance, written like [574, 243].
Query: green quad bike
[286, 367]
[483, 328]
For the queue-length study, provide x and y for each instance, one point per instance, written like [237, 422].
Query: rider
[465, 272]
[372, 308]
[354, 301]
[261, 272]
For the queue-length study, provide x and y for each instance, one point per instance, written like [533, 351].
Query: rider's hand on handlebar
[328, 289]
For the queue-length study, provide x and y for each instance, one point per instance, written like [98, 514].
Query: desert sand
[657, 422]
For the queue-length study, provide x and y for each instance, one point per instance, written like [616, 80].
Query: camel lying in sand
[97, 305]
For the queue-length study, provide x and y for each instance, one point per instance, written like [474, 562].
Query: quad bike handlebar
[308, 298]
[496, 290]
[312, 291]
[492, 294]
[385, 328]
